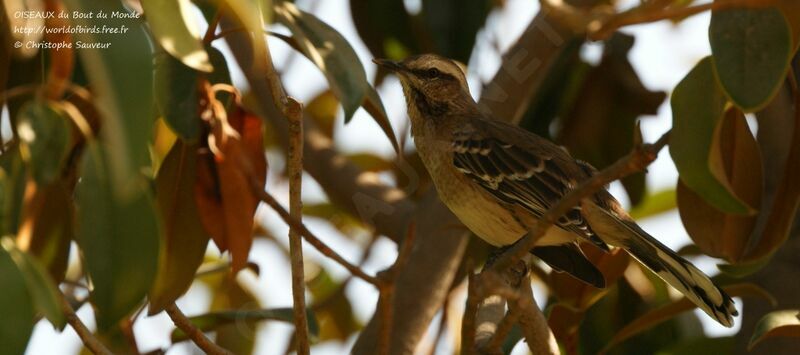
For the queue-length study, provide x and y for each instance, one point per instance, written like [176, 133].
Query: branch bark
[193, 333]
[294, 112]
[89, 340]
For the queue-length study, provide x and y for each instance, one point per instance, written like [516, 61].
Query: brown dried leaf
[223, 190]
[735, 158]
[46, 227]
[785, 205]
[580, 296]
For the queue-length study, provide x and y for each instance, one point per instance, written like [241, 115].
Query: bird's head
[431, 83]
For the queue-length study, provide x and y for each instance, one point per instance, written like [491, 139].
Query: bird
[498, 179]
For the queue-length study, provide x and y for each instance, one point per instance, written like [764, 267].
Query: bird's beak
[389, 64]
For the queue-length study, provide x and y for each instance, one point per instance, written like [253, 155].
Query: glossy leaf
[785, 204]
[121, 79]
[736, 155]
[44, 133]
[118, 238]
[751, 49]
[177, 95]
[223, 189]
[785, 323]
[47, 226]
[16, 306]
[178, 91]
[330, 52]
[697, 106]
[670, 310]
[210, 321]
[42, 289]
[184, 240]
[174, 28]
[13, 178]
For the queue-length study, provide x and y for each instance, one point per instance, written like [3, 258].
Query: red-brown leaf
[223, 191]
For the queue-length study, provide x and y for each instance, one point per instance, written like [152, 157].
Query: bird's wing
[570, 259]
[521, 169]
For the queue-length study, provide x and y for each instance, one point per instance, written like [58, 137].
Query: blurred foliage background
[127, 172]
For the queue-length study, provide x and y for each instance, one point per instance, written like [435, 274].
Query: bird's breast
[476, 208]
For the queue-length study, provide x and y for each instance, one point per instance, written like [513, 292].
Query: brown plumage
[498, 179]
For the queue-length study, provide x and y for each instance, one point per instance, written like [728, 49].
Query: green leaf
[655, 203]
[119, 240]
[697, 107]
[184, 239]
[12, 182]
[177, 91]
[752, 49]
[44, 136]
[177, 96]
[329, 51]
[670, 310]
[121, 77]
[785, 323]
[210, 321]
[40, 286]
[16, 306]
[173, 25]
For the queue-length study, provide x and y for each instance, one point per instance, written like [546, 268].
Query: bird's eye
[433, 72]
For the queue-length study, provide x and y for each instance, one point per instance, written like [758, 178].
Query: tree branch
[193, 333]
[312, 239]
[294, 111]
[89, 340]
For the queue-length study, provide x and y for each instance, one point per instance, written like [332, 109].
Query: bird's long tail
[670, 267]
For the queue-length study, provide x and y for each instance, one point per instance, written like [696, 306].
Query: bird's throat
[427, 107]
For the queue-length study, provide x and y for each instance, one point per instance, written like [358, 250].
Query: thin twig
[212, 27]
[312, 239]
[387, 286]
[89, 340]
[295, 166]
[183, 323]
[637, 16]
